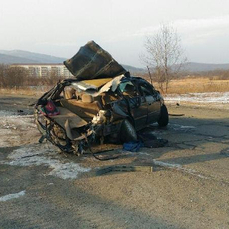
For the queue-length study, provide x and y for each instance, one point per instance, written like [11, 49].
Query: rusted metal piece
[125, 168]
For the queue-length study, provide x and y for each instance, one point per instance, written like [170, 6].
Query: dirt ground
[188, 187]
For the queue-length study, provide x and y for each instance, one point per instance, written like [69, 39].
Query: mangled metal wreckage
[102, 103]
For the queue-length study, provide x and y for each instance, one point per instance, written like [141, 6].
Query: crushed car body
[103, 103]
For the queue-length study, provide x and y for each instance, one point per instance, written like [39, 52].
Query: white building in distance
[44, 70]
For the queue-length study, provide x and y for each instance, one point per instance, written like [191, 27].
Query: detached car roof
[93, 62]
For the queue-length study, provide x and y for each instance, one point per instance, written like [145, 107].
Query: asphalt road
[188, 188]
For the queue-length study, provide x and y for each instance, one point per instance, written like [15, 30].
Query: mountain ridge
[201, 67]
[27, 57]
[31, 57]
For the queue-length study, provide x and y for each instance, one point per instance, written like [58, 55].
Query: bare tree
[164, 55]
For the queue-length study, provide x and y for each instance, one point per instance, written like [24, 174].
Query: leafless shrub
[12, 76]
[18, 77]
[164, 55]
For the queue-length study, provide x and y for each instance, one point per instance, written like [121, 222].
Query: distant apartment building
[45, 70]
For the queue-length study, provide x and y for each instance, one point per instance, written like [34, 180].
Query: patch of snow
[20, 130]
[187, 127]
[67, 170]
[17, 130]
[12, 196]
[6, 113]
[179, 167]
[181, 127]
[208, 97]
[164, 164]
[11, 114]
[35, 155]
[143, 153]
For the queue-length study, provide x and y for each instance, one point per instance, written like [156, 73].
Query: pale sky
[60, 27]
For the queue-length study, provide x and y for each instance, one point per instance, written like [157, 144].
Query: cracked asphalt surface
[188, 187]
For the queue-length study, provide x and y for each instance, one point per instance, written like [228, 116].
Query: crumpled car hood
[93, 62]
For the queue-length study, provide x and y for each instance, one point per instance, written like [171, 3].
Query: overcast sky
[60, 27]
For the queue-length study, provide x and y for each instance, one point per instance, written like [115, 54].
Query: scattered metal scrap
[125, 168]
[176, 114]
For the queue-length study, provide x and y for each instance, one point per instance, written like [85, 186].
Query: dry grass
[23, 91]
[197, 85]
[178, 86]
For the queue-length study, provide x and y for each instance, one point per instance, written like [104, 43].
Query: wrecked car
[102, 103]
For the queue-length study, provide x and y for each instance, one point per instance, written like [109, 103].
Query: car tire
[127, 132]
[164, 116]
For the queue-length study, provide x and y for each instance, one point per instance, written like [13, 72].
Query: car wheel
[127, 132]
[164, 116]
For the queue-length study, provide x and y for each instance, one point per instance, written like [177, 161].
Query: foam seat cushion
[85, 110]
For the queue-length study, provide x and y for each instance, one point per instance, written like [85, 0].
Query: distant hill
[25, 57]
[133, 70]
[8, 59]
[202, 67]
